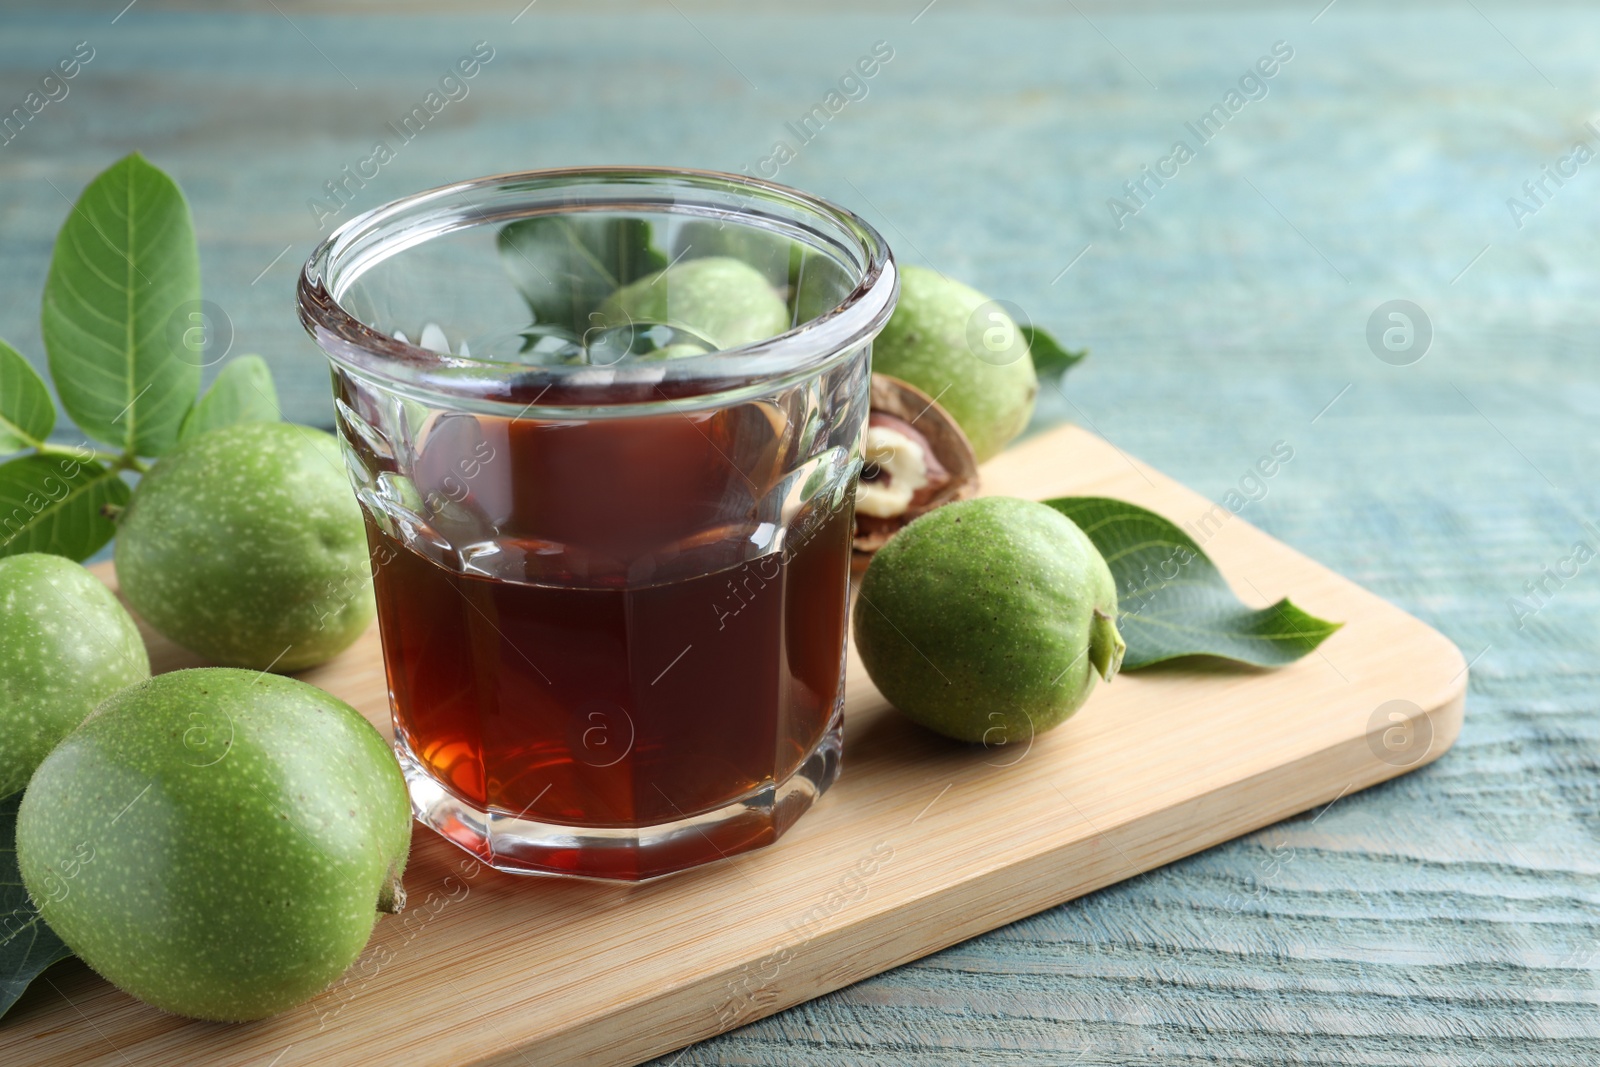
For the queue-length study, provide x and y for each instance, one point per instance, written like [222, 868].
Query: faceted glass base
[526, 846]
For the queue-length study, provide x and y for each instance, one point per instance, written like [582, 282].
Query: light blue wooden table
[1450, 917]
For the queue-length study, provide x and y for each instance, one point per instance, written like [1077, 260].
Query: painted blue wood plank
[1451, 917]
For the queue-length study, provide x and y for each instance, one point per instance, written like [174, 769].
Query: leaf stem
[126, 461]
[78, 452]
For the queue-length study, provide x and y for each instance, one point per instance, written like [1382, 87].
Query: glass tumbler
[605, 426]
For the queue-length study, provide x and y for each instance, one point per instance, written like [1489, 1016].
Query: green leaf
[1050, 360]
[243, 392]
[566, 266]
[124, 281]
[54, 503]
[27, 414]
[1172, 600]
[27, 945]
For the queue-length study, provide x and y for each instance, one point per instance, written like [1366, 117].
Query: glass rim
[804, 350]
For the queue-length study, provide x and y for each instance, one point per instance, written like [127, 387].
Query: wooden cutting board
[922, 843]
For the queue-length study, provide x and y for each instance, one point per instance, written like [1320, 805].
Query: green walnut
[66, 644]
[218, 843]
[957, 345]
[246, 546]
[724, 300]
[988, 620]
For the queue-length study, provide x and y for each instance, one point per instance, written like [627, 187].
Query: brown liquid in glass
[635, 659]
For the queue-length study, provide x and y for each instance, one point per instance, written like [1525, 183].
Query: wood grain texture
[922, 843]
[1450, 918]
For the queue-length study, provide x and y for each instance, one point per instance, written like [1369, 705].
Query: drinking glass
[605, 428]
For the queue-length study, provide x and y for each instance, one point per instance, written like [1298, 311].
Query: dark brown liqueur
[600, 630]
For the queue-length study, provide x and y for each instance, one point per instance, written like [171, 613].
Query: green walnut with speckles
[246, 546]
[724, 300]
[988, 620]
[218, 843]
[66, 644]
[957, 345]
